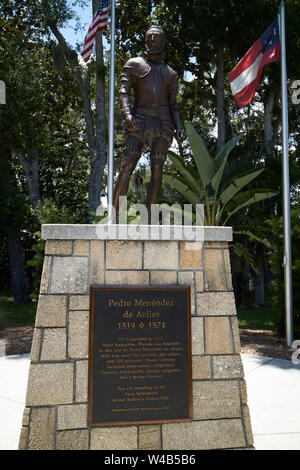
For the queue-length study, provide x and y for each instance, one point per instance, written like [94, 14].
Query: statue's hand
[179, 134]
[130, 123]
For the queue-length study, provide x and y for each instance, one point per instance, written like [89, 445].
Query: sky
[73, 37]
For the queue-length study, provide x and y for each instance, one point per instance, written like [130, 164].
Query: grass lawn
[265, 318]
[262, 318]
[11, 314]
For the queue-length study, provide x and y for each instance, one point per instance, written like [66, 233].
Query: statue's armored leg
[132, 156]
[158, 158]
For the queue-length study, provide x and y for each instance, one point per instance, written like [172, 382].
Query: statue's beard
[155, 53]
[154, 49]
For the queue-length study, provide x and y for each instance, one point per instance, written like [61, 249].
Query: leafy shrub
[276, 261]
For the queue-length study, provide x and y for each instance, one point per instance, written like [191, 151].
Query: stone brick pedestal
[55, 415]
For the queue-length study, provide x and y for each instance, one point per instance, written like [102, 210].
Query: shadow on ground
[264, 343]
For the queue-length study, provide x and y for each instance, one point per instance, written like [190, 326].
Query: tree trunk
[220, 99]
[268, 124]
[269, 133]
[18, 277]
[241, 284]
[19, 283]
[259, 277]
[31, 168]
[245, 283]
[259, 282]
[99, 156]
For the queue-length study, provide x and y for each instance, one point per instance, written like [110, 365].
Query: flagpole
[111, 115]
[287, 261]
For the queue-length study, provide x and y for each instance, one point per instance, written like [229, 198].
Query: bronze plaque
[139, 355]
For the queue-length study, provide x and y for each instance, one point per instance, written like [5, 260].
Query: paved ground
[273, 387]
[13, 383]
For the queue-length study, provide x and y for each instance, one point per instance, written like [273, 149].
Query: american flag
[99, 23]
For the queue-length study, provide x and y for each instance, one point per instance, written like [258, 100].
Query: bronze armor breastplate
[153, 89]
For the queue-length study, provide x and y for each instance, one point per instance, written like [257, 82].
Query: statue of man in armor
[154, 118]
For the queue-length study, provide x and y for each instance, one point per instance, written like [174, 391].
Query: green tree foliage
[43, 152]
[41, 121]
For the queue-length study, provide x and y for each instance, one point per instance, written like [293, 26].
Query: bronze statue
[154, 116]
